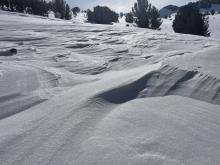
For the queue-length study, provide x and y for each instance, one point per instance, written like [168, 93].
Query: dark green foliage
[11, 5]
[75, 10]
[129, 17]
[90, 16]
[213, 12]
[68, 14]
[121, 14]
[4, 4]
[188, 20]
[38, 7]
[146, 15]
[102, 15]
[59, 7]
[20, 5]
[155, 20]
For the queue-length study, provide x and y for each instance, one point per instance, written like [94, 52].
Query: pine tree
[11, 5]
[37, 7]
[213, 12]
[129, 18]
[146, 15]
[59, 7]
[20, 5]
[102, 15]
[121, 14]
[75, 10]
[68, 14]
[189, 20]
[155, 20]
[2, 4]
[141, 13]
[90, 16]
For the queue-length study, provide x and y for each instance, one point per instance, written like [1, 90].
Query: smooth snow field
[82, 94]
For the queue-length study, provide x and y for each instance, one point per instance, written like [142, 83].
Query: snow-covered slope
[88, 94]
[213, 7]
[214, 25]
[80, 17]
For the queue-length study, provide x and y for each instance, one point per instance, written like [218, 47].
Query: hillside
[84, 94]
[167, 11]
[203, 5]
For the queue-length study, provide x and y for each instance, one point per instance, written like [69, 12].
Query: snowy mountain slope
[95, 94]
[215, 7]
[214, 25]
[167, 11]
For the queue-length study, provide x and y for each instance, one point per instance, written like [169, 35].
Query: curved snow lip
[166, 81]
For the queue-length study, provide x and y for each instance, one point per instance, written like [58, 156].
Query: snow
[86, 94]
[167, 24]
[214, 24]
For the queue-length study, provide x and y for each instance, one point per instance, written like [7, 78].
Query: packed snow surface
[83, 94]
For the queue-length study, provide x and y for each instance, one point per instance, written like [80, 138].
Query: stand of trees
[61, 9]
[102, 15]
[129, 18]
[38, 7]
[146, 15]
[189, 20]
[68, 14]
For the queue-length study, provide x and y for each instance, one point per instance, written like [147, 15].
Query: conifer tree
[68, 14]
[102, 15]
[129, 18]
[146, 15]
[155, 20]
[75, 10]
[2, 4]
[189, 20]
[11, 5]
[59, 7]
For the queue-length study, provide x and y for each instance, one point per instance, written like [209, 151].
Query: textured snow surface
[83, 94]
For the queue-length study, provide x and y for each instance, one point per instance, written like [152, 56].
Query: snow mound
[168, 81]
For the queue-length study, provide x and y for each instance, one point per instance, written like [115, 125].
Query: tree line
[143, 14]
[188, 19]
[38, 7]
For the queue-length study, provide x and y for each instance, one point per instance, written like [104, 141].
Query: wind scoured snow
[95, 94]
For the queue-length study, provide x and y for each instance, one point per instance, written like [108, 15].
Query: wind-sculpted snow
[168, 81]
[89, 94]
